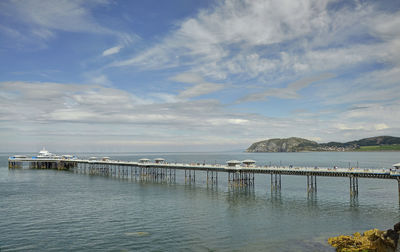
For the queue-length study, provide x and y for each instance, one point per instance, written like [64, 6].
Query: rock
[396, 227]
[392, 235]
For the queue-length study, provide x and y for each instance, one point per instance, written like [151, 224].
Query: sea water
[49, 210]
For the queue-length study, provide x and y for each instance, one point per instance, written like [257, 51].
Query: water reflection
[312, 199]
[239, 194]
[276, 197]
[354, 203]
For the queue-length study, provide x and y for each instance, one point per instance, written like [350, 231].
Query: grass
[392, 147]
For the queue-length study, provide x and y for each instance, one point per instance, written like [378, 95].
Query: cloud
[229, 33]
[187, 77]
[98, 104]
[263, 42]
[379, 85]
[234, 43]
[361, 126]
[208, 36]
[381, 126]
[41, 20]
[37, 109]
[112, 50]
[290, 92]
[60, 15]
[342, 126]
[96, 78]
[201, 87]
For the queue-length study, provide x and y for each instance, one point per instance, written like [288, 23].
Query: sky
[188, 75]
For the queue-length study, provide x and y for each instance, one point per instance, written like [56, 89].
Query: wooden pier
[238, 175]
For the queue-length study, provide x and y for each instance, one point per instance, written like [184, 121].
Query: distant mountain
[295, 144]
[292, 144]
[379, 140]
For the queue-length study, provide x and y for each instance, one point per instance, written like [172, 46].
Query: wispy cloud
[40, 105]
[200, 86]
[41, 20]
[263, 41]
[342, 58]
[112, 50]
[289, 92]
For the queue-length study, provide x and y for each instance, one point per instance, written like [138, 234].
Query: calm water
[43, 210]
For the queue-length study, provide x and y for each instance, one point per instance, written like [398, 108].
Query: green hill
[295, 144]
[292, 144]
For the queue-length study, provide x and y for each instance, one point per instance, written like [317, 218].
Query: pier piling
[238, 175]
[276, 182]
[353, 186]
[311, 184]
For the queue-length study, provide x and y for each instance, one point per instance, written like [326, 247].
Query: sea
[49, 210]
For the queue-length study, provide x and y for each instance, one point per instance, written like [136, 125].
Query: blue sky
[184, 75]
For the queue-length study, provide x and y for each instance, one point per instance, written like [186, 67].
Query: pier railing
[237, 174]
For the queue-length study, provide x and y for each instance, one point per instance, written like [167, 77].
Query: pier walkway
[238, 175]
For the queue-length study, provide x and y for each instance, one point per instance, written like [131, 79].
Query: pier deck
[237, 174]
[284, 170]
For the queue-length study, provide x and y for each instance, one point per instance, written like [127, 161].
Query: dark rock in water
[393, 235]
[396, 227]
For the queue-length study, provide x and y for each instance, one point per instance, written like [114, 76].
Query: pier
[240, 174]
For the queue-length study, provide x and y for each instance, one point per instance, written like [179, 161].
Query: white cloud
[39, 21]
[381, 126]
[342, 126]
[361, 126]
[201, 87]
[112, 50]
[290, 92]
[122, 118]
[267, 41]
[58, 15]
[375, 86]
[96, 78]
[187, 77]
[46, 107]
[250, 23]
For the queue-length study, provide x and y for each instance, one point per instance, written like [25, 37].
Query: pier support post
[398, 187]
[353, 186]
[212, 177]
[311, 183]
[276, 182]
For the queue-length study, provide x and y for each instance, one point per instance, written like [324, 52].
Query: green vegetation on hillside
[394, 147]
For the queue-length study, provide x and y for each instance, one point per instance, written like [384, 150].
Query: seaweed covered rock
[371, 240]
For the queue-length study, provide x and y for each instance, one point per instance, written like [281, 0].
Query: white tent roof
[397, 165]
[248, 161]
